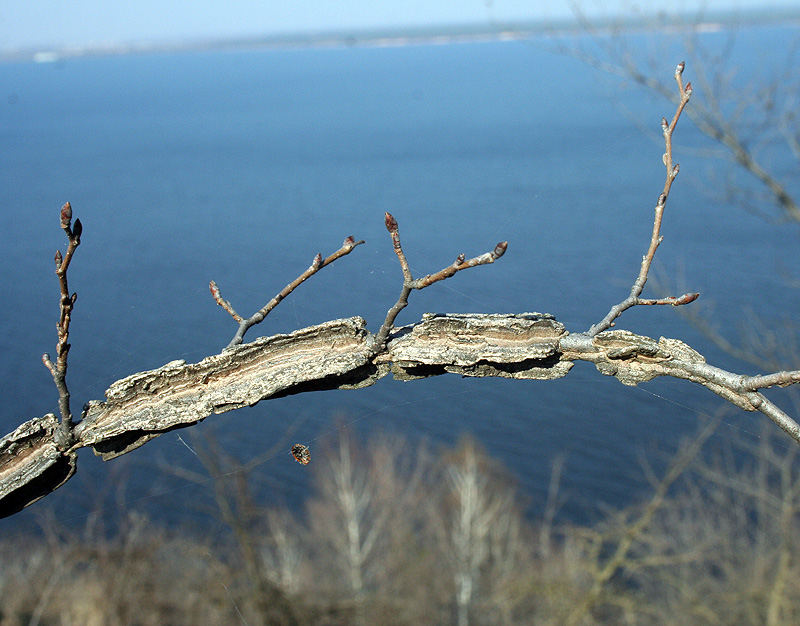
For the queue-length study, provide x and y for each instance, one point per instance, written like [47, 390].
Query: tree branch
[37, 458]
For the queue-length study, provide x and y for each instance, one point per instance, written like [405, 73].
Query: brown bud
[58, 259]
[679, 69]
[500, 249]
[391, 223]
[66, 215]
[77, 230]
[662, 199]
[688, 89]
[460, 259]
[676, 169]
[348, 242]
[317, 261]
[74, 297]
[664, 124]
[212, 287]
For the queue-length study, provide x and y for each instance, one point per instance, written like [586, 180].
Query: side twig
[66, 304]
[409, 283]
[258, 317]
[672, 172]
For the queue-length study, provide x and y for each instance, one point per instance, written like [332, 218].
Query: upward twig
[245, 324]
[66, 304]
[672, 172]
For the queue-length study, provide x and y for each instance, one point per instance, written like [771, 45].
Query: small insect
[301, 453]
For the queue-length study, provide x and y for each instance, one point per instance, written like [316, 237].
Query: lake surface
[241, 166]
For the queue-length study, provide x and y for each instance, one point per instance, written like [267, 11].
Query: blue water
[241, 166]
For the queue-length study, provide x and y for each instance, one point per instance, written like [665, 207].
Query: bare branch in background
[727, 95]
[258, 316]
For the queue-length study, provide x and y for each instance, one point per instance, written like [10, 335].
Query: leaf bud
[58, 259]
[662, 199]
[688, 89]
[77, 230]
[664, 124]
[679, 69]
[317, 262]
[500, 249]
[348, 242]
[676, 169]
[391, 223]
[460, 259]
[66, 215]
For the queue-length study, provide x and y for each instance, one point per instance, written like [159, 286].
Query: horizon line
[434, 34]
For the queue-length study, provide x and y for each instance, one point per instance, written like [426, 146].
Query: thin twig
[409, 283]
[782, 379]
[258, 316]
[66, 304]
[673, 300]
[655, 240]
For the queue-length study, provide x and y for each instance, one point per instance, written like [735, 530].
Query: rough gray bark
[340, 354]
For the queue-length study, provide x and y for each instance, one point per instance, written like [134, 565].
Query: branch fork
[245, 324]
[409, 283]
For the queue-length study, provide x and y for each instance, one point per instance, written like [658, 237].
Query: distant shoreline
[432, 35]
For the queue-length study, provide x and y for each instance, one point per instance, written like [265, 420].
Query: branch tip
[679, 69]
[500, 249]
[391, 223]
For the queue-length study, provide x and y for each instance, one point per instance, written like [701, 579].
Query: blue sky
[35, 23]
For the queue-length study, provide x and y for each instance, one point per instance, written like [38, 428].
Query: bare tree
[41, 454]
[479, 526]
[360, 519]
